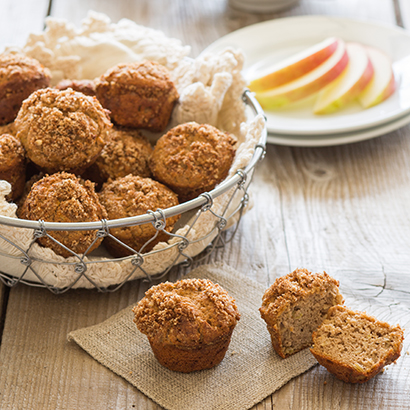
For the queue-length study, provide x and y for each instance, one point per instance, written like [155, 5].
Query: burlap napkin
[250, 371]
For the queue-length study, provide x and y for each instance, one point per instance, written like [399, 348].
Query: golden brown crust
[288, 289]
[139, 95]
[12, 164]
[126, 152]
[62, 197]
[8, 129]
[130, 196]
[189, 323]
[19, 77]
[192, 158]
[187, 360]
[21, 212]
[86, 87]
[62, 130]
[285, 293]
[388, 342]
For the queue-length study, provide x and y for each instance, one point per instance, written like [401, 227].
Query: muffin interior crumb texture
[302, 318]
[295, 305]
[356, 340]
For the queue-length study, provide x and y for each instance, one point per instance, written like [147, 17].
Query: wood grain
[19, 18]
[341, 209]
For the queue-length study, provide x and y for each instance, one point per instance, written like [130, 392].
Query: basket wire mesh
[237, 184]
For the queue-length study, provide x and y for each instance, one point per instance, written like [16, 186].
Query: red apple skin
[389, 89]
[296, 70]
[353, 92]
[307, 90]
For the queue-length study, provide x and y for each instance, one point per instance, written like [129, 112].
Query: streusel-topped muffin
[129, 196]
[189, 323]
[192, 158]
[62, 197]
[12, 164]
[62, 130]
[295, 305]
[139, 95]
[19, 77]
[127, 151]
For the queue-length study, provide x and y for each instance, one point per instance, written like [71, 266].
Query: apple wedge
[349, 85]
[308, 84]
[295, 66]
[383, 83]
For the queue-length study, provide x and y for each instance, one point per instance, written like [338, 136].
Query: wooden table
[343, 209]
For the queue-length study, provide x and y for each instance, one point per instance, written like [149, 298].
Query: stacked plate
[269, 42]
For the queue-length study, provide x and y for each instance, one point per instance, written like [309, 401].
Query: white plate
[271, 41]
[338, 139]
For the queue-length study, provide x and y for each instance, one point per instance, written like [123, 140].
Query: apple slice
[349, 85]
[383, 83]
[295, 66]
[308, 84]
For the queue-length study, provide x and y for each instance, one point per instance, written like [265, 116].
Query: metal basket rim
[198, 202]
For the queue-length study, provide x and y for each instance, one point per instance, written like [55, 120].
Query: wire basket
[221, 208]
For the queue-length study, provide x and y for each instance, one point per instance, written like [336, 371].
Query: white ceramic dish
[271, 41]
[339, 138]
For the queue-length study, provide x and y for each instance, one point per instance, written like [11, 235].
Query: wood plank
[19, 18]
[337, 208]
[198, 24]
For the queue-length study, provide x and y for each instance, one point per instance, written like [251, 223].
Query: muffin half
[295, 305]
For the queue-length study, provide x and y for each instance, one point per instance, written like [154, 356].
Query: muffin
[138, 95]
[192, 158]
[62, 197]
[188, 323]
[12, 164]
[86, 87]
[62, 130]
[8, 129]
[126, 152]
[131, 196]
[21, 212]
[19, 77]
[295, 305]
[355, 346]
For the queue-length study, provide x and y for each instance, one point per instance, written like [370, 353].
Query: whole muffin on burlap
[138, 95]
[62, 197]
[295, 305]
[192, 158]
[188, 323]
[19, 77]
[62, 130]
